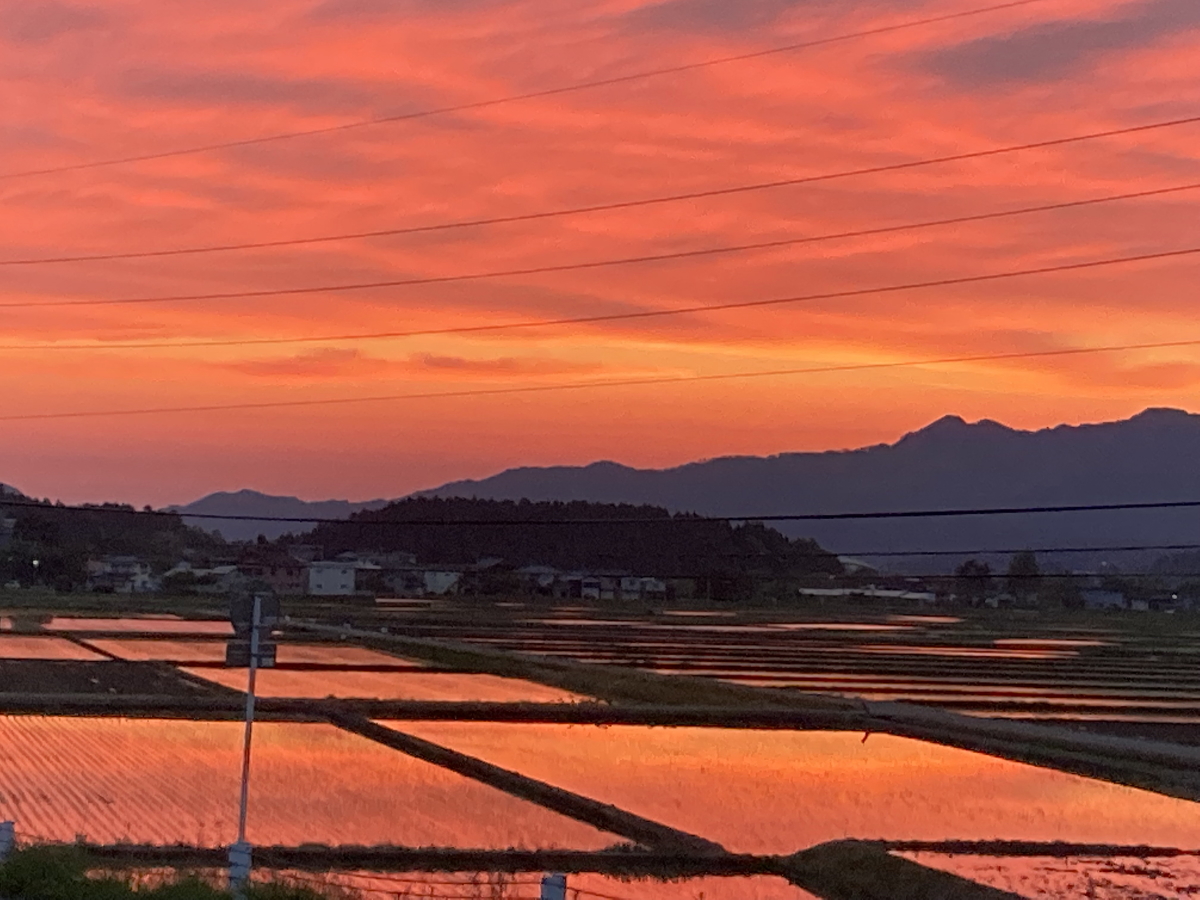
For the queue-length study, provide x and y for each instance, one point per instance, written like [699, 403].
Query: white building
[636, 587]
[332, 577]
[441, 581]
[871, 592]
[120, 575]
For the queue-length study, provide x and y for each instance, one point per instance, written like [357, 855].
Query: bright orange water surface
[388, 685]
[39, 647]
[777, 792]
[213, 651]
[178, 781]
[1048, 642]
[974, 652]
[768, 628]
[148, 623]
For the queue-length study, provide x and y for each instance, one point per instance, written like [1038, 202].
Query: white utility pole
[240, 852]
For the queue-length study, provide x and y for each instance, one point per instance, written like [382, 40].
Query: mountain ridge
[949, 463]
[249, 502]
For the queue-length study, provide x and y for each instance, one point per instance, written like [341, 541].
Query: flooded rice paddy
[778, 792]
[150, 624]
[167, 782]
[388, 685]
[762, 792]
[14, 646]
[976, 657]
[214, 651]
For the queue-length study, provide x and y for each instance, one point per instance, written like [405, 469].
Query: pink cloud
[80, 88]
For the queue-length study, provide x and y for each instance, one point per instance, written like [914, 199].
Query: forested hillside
[648, 540]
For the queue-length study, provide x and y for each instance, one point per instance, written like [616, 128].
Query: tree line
[576, 535]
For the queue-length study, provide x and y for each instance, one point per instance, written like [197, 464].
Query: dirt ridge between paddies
[839, 870]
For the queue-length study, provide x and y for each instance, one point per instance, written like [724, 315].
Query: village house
[218, 579]
[120, 575]
[282, 573]
[332, 577]
[606, 586]
[871, 592]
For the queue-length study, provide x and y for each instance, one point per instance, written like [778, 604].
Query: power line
[515, 98]
[565, 267]
[683, 254]
[1120, 548]
[628, 382]
[608, 207]
[592, 319]
[1002, 576]
[674, 519]
[822, 552]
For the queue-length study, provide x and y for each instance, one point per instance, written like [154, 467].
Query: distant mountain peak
[1165, 415]
[946, 422]
[954, 427]
[249, 502]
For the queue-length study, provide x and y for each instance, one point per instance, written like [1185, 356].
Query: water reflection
[214, 651]
[776, 792]
[389, 685]
[967, 652]
[38, 647]
[172, 624]
[167, 782]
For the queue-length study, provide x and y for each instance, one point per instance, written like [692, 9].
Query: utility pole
[240, 852]
[554, 887]
[8, 839]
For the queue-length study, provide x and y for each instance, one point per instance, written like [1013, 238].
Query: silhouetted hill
[253, 503]
[1154, 456]
[642, 540]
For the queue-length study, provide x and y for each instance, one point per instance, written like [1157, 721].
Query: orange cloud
[84, 83]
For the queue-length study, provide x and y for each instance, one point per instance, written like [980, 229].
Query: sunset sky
[84, 82]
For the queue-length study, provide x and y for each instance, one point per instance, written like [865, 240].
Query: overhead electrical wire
[1002, 551]
[627, 382]
[593, 264]
[515, 98]
[999, 575]
[598, 318]
[675, 519]
[629, 204]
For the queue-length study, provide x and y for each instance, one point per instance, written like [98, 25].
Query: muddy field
[103, 677]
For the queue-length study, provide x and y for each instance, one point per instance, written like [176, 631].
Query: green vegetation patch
[67, 873]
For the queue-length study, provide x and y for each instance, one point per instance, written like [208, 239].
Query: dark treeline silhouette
[51, 544]
[663, 545]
